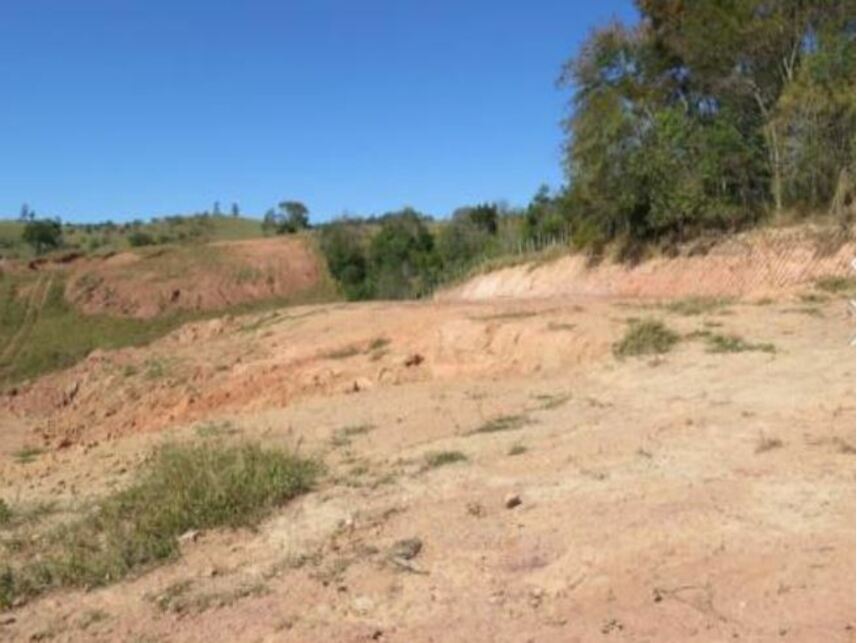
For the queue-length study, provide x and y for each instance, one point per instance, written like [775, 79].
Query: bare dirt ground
[152, 281]
[694, 496]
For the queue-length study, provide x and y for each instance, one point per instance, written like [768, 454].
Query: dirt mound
[150, 282]
[761, 263]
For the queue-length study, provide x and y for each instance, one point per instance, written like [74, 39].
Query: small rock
[414, 360]
[189, 536]
[512, 501]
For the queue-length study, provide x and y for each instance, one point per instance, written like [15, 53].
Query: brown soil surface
[693, 496]
[148, 282]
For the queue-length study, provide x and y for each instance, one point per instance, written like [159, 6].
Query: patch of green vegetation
[552, 400]
[517, 449]
[436, 459]
[378, 343]
[155, 369]
[504, 423]
[342, 353]
[812, 311]
[836, 285]
[813, 298]
[5, 513]
[696, 305]
[216, 429]
[718, 343]
[342, 437]
[92, 617]
[59, 335]
[646, 337]
[27, 454]
[183, 487]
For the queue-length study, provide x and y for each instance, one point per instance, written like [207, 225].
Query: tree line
[709, 114]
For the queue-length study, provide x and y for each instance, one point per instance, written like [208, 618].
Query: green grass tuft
[182, 488]
[733, 344]
[503, 423]
[27, 454]
[647, 337]
[440, 458]
[836, 285]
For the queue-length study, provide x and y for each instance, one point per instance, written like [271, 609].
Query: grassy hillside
[41, 332]
[109, 237]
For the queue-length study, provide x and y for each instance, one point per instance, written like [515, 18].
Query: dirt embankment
[150, 282]
[761, 263]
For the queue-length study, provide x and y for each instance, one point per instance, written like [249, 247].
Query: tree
[271, 222]
[345, 253]
[236, 211]
[215, 210]
[401, 257]
[26, 214]
[42, 234]
[296, 216]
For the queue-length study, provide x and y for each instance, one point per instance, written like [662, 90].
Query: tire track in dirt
[35, 302]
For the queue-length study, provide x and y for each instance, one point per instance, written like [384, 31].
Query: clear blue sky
[125, 108]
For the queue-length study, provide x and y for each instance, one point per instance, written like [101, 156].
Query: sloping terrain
[760, 263]
[151, 282]
[557, 491]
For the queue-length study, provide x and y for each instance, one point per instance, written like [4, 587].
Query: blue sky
[135, 108]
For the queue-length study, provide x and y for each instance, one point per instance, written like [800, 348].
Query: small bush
[517, 449]
[441, 458]
[645, 337]
[5, 513]
[183, 488]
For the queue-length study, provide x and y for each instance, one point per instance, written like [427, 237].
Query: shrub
[42, 234]
[645, 337]
[138, 239]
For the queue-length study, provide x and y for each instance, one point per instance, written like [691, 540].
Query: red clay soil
[150, 282]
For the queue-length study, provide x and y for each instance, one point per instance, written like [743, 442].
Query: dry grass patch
[436, 459]
[504, 423]
[718, 343]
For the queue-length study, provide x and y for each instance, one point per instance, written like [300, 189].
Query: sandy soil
[694, 496]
